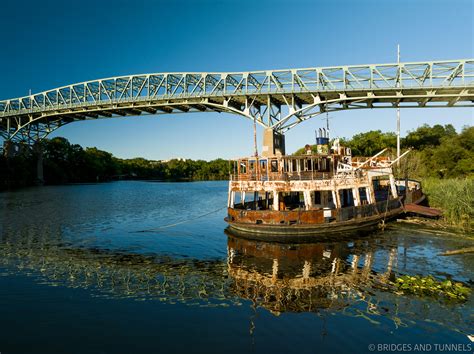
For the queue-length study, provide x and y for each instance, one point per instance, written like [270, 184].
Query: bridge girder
[277, 99]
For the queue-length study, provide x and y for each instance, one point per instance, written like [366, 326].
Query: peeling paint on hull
[358, 224]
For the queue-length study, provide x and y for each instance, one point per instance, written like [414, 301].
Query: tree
[426, 136]
[370, 143]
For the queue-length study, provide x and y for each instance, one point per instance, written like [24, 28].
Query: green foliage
[455, 197]
[370, 143]
[18, 171]
[428, 286]
[441, 157]
[302, 151]
[363, 144]
[176, 169]
[438, 151]
[426, 136]
[452, 157]
[69, 163]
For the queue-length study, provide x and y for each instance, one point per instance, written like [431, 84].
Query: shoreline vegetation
[455, 197]
[66, 163]
[441, 158]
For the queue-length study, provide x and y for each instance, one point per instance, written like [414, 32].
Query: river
[131, 267]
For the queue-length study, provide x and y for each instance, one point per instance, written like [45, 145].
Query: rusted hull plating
[306, 223]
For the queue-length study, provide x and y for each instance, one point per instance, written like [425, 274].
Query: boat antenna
[327, 124]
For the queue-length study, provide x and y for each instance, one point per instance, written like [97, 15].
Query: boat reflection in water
[305, 277]
[279, 277]
[346, 276]
[349, 277]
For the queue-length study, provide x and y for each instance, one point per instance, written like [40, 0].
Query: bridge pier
[273, 143]
[38, 153]
[12, 149]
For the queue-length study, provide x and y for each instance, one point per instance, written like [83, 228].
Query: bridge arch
[275, 99]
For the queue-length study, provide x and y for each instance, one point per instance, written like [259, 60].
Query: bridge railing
[172, 86]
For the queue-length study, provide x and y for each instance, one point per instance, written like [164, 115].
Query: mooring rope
[181, 222]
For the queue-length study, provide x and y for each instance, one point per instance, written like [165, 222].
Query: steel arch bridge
[275, 99]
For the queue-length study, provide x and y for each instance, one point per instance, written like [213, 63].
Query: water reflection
[113, 273]
[348, 276]
[305, 277]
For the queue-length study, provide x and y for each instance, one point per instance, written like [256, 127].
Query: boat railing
[296, 176]
[353, 212]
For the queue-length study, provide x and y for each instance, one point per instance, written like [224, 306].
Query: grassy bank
[455, 197]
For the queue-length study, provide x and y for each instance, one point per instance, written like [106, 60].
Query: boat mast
[255, 136]
[327, 123]
[398, 110]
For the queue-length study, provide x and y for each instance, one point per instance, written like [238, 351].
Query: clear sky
[46, 44]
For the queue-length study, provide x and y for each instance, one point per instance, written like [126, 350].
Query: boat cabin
[311, 181]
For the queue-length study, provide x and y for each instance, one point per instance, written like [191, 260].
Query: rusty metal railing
[301, 176]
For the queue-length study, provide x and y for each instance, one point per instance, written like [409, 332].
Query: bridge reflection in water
[349, 276]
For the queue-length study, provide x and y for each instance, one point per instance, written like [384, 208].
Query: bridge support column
[273, 143]
[38, 153]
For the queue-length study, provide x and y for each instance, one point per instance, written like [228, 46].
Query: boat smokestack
[322, 142]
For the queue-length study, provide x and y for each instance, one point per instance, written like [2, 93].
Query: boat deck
[422, 210]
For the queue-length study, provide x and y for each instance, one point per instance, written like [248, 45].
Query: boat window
[243, 167]
[310, 164]
[263, 166]
[252, 166]
[303, 165]
[346, 197]
[363, 195]
[291, 200]
[317, 197]
[294, 166]
[274, 166]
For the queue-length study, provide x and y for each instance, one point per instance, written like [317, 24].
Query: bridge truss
[276, 99]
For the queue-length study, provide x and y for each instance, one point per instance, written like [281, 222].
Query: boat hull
[334, 227]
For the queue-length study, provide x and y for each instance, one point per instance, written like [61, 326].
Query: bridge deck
[277, 99]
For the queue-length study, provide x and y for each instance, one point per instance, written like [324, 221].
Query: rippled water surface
[130, 267]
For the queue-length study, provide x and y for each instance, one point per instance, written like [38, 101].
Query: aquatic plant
[455, 197]
[429, 286]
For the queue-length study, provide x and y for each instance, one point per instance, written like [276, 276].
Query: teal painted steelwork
[277, 99]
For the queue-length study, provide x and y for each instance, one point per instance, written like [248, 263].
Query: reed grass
[455, 197]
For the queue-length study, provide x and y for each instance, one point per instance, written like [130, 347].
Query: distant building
[175, 158]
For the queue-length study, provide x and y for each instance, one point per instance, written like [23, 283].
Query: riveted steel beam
[277, 99]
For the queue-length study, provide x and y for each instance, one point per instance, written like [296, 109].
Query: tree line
[64, 162]
[437, 151]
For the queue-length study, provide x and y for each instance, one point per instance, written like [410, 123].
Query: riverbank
[455, 197]
[64, 163]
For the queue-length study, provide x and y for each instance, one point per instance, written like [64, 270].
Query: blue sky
[47, 44]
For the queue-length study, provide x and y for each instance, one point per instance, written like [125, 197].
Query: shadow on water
[350, 276]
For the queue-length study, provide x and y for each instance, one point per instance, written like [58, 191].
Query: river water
[113, 268]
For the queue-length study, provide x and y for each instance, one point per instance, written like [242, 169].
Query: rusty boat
[322, 192]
